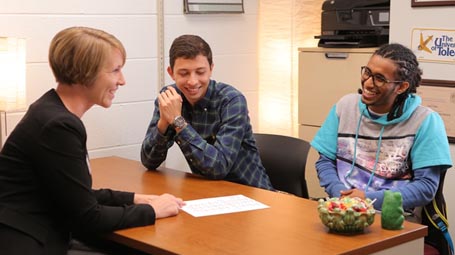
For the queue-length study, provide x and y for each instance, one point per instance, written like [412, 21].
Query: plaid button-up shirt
[218, 141]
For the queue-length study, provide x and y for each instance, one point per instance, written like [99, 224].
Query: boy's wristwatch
[179, 122]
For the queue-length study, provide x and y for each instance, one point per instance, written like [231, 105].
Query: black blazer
[46, 186]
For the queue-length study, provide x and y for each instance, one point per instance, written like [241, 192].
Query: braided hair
[408, 70]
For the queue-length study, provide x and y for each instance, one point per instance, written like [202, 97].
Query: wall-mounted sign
[212, 6]
[434, 45]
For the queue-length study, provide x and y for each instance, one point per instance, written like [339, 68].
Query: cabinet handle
[337, 55]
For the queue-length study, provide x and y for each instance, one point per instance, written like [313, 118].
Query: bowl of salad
[347, 214]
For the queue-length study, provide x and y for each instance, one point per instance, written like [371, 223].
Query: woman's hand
[143, 199]
[165, 205]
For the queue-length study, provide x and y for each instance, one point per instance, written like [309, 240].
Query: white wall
[403, 18]
[120, 129]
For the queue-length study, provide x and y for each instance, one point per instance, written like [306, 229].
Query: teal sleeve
[431, 146]
[325, 140]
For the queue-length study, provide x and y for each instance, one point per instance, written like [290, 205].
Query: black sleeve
[114, 197]
[64, 169]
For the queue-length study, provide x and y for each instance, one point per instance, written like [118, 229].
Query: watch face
[179, 122]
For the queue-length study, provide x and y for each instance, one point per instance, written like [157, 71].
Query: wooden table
[290, 226]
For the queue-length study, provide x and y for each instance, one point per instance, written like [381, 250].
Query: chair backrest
[284, 159]
[434, 212]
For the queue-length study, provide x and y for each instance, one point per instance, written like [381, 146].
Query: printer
[354, 23]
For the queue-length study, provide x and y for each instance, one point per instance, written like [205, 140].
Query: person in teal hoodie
[383, 139]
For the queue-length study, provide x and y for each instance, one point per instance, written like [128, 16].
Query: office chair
[284, 159]
[434, 215]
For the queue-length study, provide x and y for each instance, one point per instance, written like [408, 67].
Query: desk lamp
[12, 79]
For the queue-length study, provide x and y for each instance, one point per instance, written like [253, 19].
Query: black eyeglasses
[378, 80]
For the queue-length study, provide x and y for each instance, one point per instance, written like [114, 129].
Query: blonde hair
[77, 54]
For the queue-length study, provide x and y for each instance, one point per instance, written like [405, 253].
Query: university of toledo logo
[434, 45]
[423, 45]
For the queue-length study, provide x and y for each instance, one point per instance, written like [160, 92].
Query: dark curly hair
[407, 70]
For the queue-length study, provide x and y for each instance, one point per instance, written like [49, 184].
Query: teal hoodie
[374, 154]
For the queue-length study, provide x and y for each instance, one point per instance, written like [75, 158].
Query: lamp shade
[12, 74]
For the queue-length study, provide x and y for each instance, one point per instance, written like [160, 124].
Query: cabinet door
[324, 77]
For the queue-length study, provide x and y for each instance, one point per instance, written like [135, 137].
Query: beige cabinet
[325, 75]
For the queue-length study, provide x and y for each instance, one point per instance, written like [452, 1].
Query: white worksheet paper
[221, 205]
